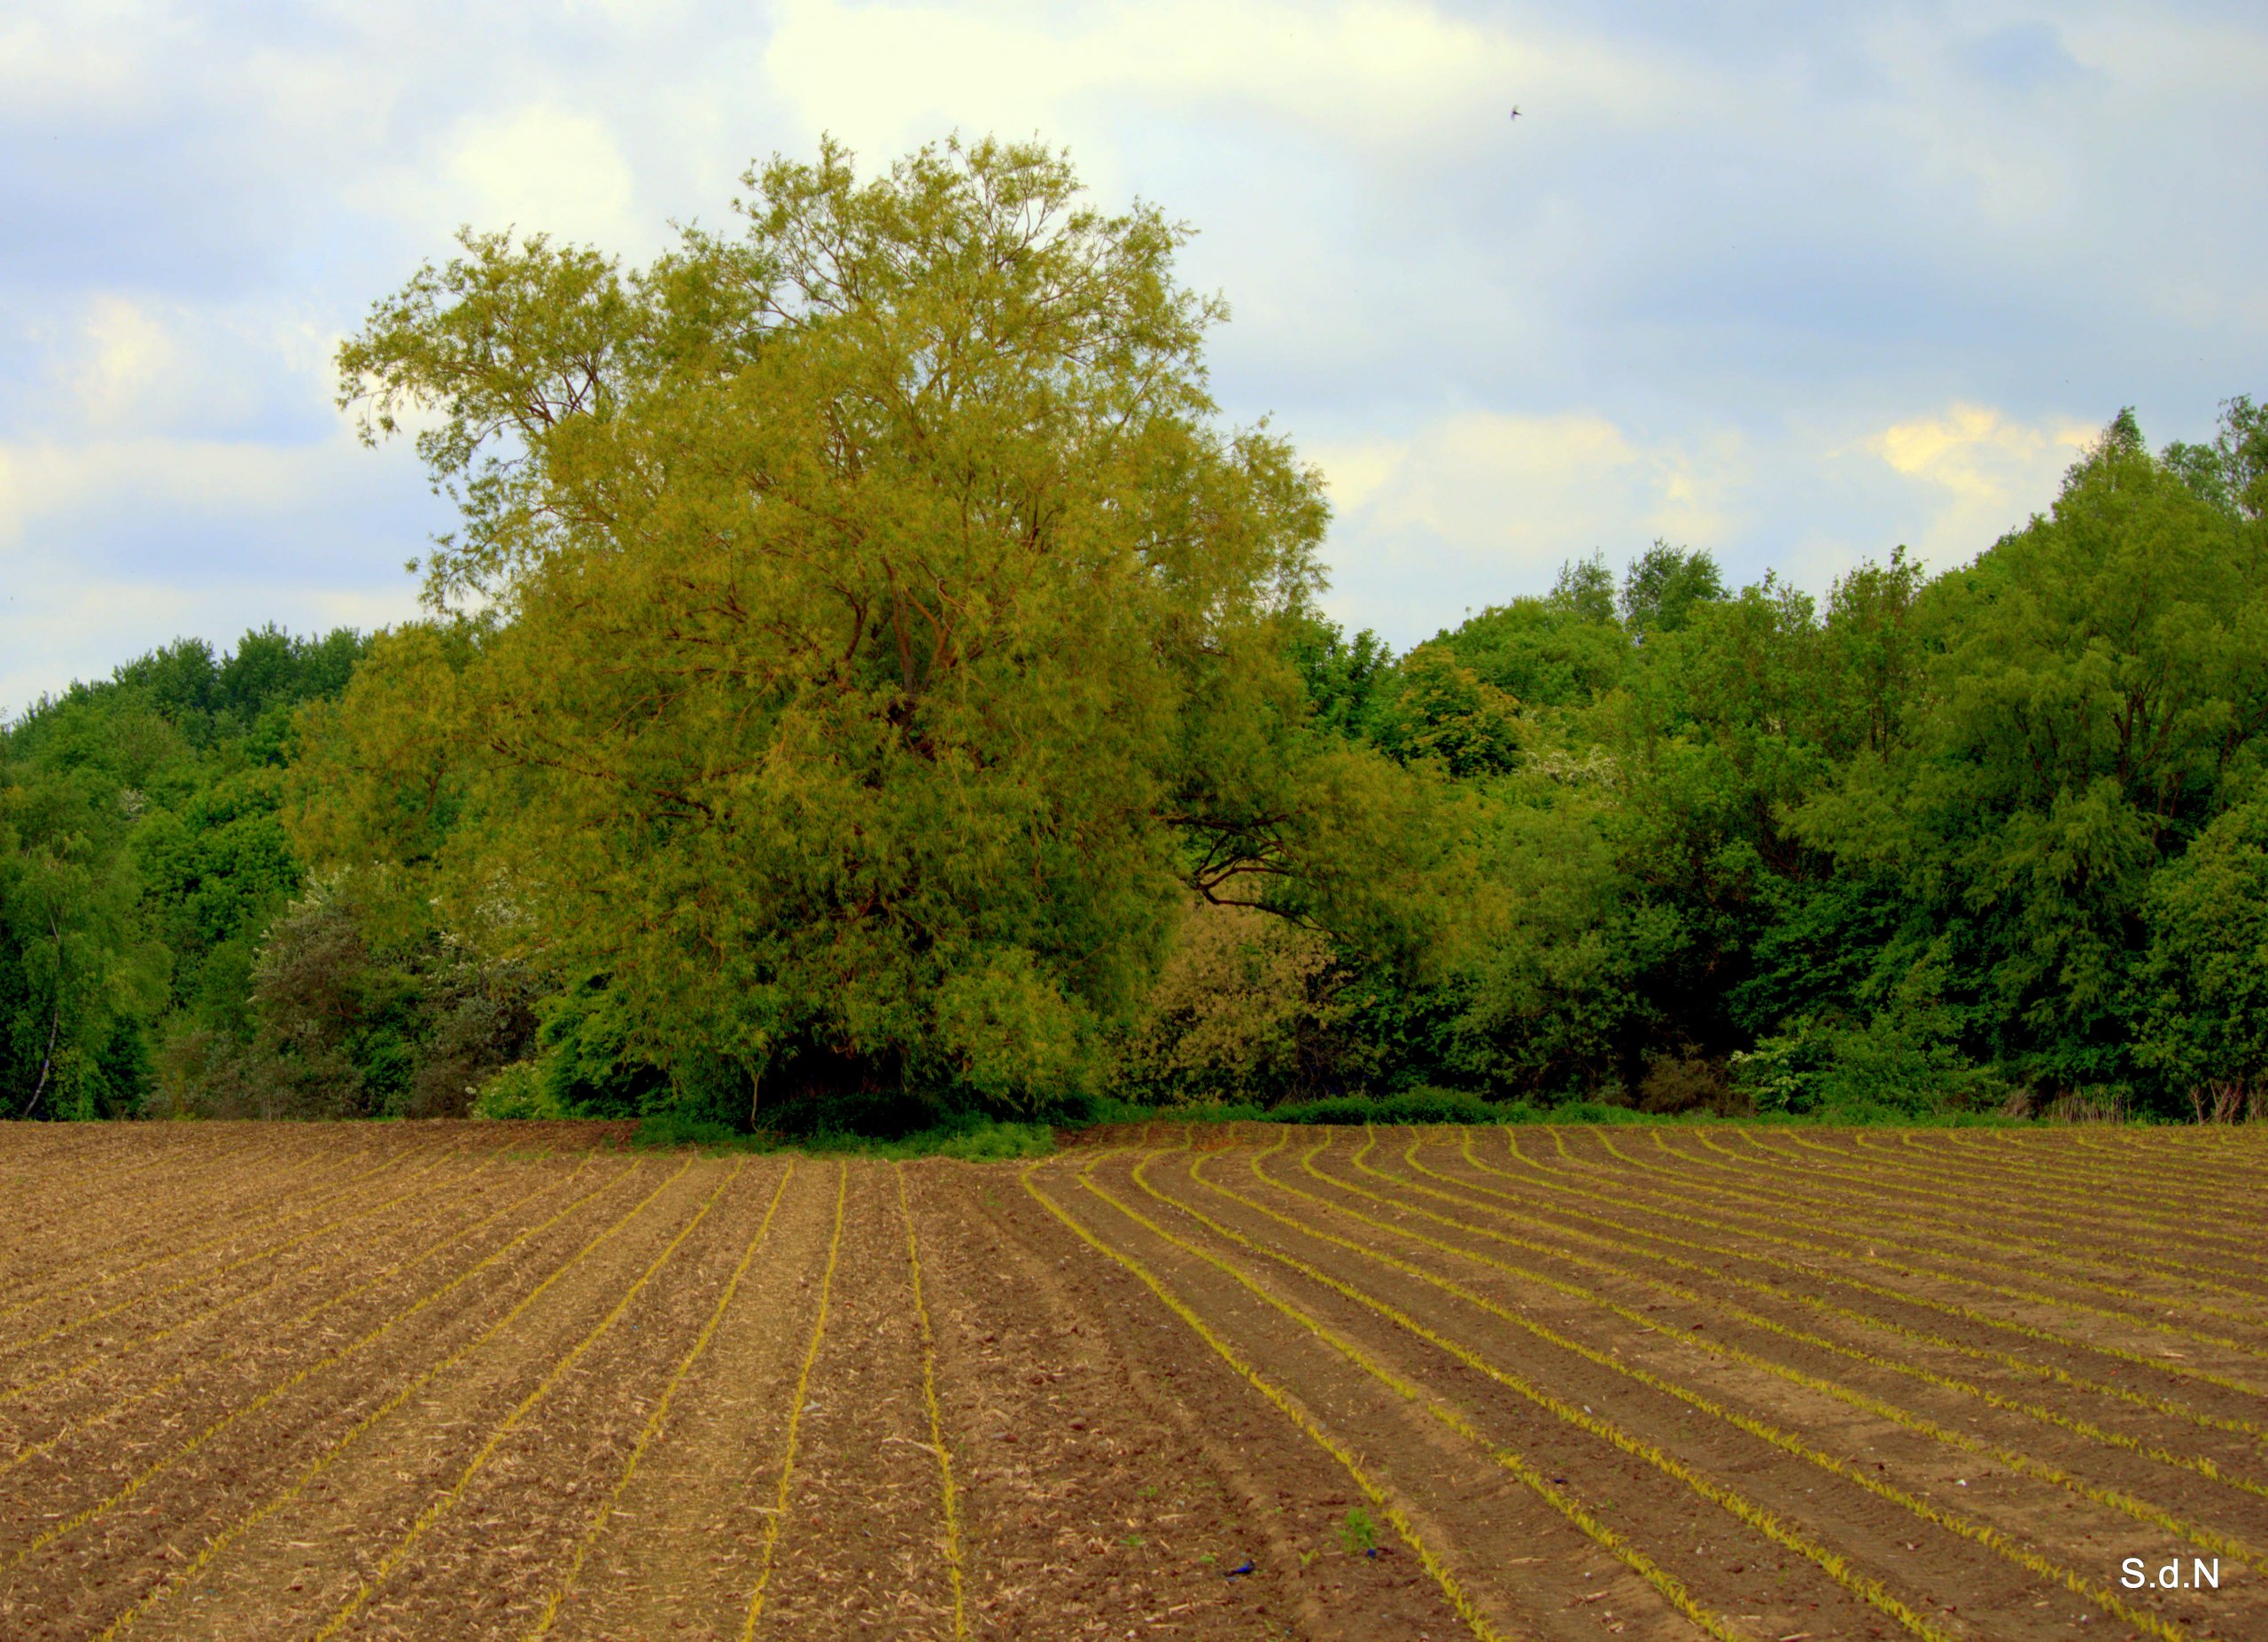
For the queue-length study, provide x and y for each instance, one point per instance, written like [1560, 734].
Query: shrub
[1892, 1066]
[1247, 1007]
[2205, 978]
[517, 1091]
[1677, 1083]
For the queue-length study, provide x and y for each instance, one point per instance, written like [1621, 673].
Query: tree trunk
[54, 1025]
[47, 1061]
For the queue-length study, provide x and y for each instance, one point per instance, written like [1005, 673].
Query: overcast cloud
[1796, 283]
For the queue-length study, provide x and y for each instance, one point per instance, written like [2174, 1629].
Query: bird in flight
[1515, 111]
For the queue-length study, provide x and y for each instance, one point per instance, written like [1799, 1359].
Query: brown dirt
[1698, 1323]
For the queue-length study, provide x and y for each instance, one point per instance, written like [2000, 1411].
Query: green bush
[1892, 1069]
[519, 1091]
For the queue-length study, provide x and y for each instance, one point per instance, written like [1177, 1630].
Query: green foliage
[202, 973]
[1011, 1037]
[1665, 587]
[1358, 1535]
[2230, 474]
[591, 1066]
[1342, 676]
[1440, 708]
[1409, 1106]
[669, 1128]
[214, 871]
[1890, 1066]
[79, 978]
[870, 693]
[1543, 653]
[2091, 699]
[1916, 848]
[970, 1138]
[1418, 1105]
[2204, 977]
[1246, 1007]
[516, 1091]
[882, 639]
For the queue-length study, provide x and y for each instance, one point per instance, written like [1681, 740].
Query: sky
[1793, 283]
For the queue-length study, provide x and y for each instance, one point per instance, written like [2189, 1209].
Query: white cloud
[534, 167]
[1840, 234]
[110, 546]
[90, 61]
[219, 479]
[127, 355]
[1364, 72]
[547, 168]
[1987, 471]
[12, 504]
[1478, 507]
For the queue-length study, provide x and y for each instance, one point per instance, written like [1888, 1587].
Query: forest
[868, 685]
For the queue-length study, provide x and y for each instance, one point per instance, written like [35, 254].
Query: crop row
[1399, 1196]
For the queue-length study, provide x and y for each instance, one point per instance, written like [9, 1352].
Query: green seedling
[1358, 1536]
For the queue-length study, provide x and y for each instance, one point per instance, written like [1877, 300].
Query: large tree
[861, 637]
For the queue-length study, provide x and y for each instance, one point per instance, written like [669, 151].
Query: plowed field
[440, 1380]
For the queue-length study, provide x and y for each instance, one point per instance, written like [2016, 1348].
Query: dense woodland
[868, 684]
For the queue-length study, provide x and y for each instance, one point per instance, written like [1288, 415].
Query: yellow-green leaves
[870, 603]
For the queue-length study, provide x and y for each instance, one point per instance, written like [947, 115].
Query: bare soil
[488, 1380]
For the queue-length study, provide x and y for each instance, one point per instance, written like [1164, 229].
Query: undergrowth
[971, 1139]
[977, 1138]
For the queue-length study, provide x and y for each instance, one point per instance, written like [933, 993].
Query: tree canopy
[866, 633]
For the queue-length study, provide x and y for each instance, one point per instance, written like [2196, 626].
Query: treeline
[868, 687]
[1994, 839]
[163, 950]
[143, 865]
